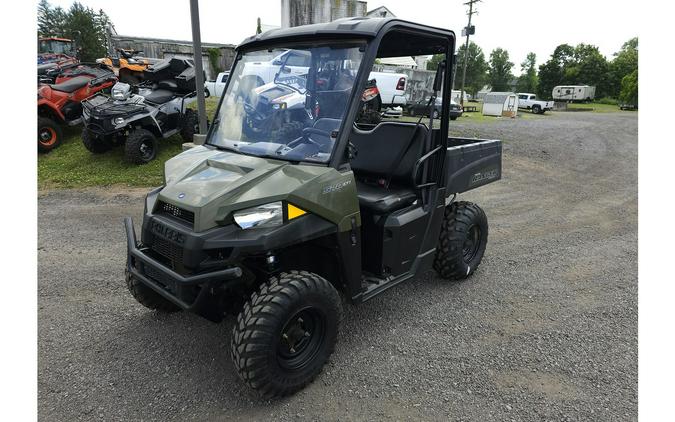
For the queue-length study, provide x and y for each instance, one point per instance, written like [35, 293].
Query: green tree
[580, 65]
[433, 62]
[499, 72]
[629, 88]
[258, 29]
[624, 63]
[476, 68]
[528, 81]
[81, 24]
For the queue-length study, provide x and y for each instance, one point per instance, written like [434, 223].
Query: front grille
[181, 214]
[168, 250]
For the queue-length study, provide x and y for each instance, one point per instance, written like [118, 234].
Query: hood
[212, 183]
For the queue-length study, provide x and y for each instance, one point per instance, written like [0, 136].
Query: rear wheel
[95, 144]
[190, 125]
[536, 109]
[49, 134]
[141, 146]
[462, 241]
[148, 297]
[286, 332]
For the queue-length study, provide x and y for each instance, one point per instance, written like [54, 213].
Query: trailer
[574, 93]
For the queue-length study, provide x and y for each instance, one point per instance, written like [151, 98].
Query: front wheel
[207, 93]
[49, 134]
[95, 144]
[286, 333]
[140, 147]
[462, 241]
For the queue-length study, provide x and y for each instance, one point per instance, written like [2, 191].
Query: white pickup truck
[391, 85]
[216, 87]
[530, 102]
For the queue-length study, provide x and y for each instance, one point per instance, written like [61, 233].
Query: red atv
[59, 103]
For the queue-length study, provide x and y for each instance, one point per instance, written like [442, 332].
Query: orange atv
[128, 68]
[59, 103]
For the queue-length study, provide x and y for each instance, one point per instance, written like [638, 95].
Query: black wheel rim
[147, 149]
[471, 243]
[301, 339]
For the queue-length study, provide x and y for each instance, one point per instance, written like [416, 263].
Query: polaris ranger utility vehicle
[137, 115]
[277, 231]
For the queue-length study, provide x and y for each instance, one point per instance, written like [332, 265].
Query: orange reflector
[294, 211]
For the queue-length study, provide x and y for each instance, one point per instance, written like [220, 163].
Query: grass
[597, 107]
[72, 166]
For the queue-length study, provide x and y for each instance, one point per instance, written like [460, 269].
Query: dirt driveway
[546, 329]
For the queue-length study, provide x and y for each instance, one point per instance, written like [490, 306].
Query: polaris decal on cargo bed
[484, 176]
[167, 232]
[337, 186]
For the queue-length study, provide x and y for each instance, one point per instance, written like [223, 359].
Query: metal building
[305, 12]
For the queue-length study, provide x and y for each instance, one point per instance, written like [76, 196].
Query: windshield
[287, 103]
[55, 46]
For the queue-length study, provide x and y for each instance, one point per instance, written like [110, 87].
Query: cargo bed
[471, 163]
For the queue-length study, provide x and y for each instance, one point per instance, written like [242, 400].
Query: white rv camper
[573, 93]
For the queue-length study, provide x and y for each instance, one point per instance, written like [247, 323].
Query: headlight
[268, 215]
[121, 91]
[118, 121]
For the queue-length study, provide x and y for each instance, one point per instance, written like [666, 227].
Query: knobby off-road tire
[190, 125]
[286, 333]
[140, 147]
[289, 132]
[462, 242]
[148, 297]
[49, 134]
[95, 144]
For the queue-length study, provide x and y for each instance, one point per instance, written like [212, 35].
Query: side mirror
[438, 79]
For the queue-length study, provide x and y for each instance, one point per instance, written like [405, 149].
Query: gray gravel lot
[546, 329]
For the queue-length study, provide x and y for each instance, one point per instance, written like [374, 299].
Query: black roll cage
[372, 41]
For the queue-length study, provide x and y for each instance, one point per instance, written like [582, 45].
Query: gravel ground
[546, 329]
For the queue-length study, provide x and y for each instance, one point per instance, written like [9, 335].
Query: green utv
[286, 209]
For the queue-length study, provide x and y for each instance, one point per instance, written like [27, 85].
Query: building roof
[399, 61]
[168, 41]
[380, 12]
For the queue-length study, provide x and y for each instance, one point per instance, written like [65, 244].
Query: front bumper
[191, 292]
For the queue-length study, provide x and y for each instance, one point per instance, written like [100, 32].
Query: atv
[127, 66]
[59, 102]
[281, 233]
[137, 116]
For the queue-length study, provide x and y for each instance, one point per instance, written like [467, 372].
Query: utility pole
[199, 77]
[468, 30]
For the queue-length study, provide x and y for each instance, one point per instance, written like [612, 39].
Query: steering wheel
[306, 132]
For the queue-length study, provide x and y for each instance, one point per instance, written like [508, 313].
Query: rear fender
[47, 108]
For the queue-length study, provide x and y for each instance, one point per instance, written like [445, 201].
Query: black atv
[137, 116]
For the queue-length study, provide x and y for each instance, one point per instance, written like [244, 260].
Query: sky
[519, 26]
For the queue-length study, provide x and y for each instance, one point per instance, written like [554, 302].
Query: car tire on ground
[49, 134]
[286, 333]
[148, 297]
[207, 93]
[141, 146]
[436, 114]
[536, 109]
[412, 112]
[95, 144]
[453, 117]
[190, 125]
[462, 241]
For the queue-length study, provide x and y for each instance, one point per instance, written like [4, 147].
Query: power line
[468, 31]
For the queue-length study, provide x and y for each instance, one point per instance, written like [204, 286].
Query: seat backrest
[379, 149]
